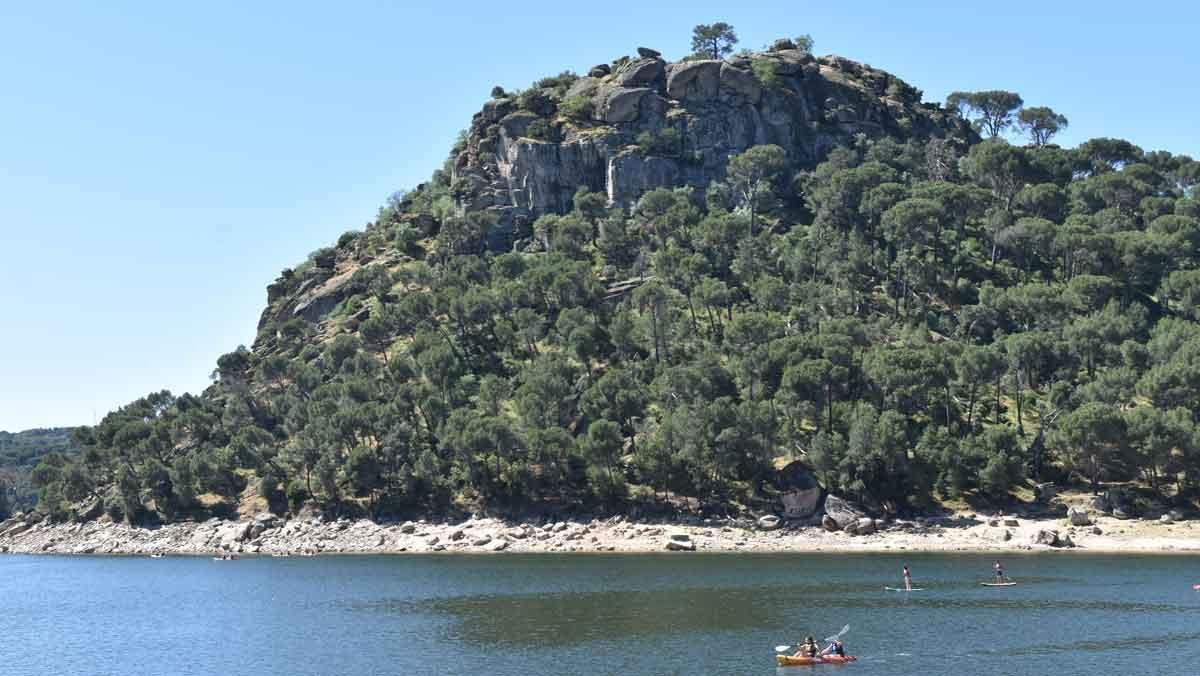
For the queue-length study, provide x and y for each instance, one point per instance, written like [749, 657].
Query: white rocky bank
[266, 534]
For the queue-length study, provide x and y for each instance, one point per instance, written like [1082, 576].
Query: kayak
[789, 661]
[998, 584]
[903, 589]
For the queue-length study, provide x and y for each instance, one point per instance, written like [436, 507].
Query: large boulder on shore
[1046, 537]
[681, 542]
[841, 512]
[769, 522]
[1078, 516]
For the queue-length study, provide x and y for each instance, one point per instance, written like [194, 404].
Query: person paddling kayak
[808, 648]
[999, 569]
[837, 647]
[907, 579]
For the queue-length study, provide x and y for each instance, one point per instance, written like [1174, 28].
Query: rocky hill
[719, 286]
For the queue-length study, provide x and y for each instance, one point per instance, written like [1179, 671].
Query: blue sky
[159, 164]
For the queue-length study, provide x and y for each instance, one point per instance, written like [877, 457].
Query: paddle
[785, 648]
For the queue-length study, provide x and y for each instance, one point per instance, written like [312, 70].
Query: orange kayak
[789, 661]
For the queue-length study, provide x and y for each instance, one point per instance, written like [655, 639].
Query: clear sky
[160, 163]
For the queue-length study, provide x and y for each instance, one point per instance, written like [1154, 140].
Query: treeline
[913, 320]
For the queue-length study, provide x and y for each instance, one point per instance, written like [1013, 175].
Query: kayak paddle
[838, 635]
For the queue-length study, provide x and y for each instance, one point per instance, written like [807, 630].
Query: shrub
[542, 131]
[766, 74]
[558, 84]
[536, 101]
[666, 143]
[578, 108]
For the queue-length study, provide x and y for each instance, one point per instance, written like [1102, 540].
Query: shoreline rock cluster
[269, 535]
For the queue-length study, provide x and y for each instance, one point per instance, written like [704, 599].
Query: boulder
[641, 72]
[647, 53]
[481, 540]
[740, 82]
[1065, 541]
[1007, 535]
[408, 528]
[1166, 519]
[235, 532]
[1012, 522]
[1099, 503]
[1044, 492]
[829, 523]
[769, 522]
[1078, 516]
[498, 546]
[1177, 515]
[681, 542]
[841, 511]
[432, 540]
[694, 80]
[1046, 537]
[457, 534]
[600, 70]
[620, 104]
[1121, 513]
[865, 526]
[1096, 530]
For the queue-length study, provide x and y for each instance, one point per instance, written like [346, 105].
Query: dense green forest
[915, 319]
[20, 452]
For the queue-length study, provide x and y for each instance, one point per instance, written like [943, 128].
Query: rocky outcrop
[717, 108]
[1078, 516]
[841, 513]
[798, 491]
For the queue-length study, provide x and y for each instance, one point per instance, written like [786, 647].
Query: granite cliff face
[520, 163]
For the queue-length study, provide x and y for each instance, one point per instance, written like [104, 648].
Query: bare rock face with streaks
[718, 109]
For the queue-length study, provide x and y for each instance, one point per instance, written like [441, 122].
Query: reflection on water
[568, 618]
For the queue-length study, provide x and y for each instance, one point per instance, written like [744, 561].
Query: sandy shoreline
[269, 535]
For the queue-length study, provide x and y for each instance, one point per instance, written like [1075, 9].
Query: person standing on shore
[999, 569]
[907, 580]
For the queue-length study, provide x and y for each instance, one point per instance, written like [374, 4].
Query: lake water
[594, 614]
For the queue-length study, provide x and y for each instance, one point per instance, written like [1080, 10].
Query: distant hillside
[650, 286]
[20, 452]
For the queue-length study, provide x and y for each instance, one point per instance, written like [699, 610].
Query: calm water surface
[594, 614]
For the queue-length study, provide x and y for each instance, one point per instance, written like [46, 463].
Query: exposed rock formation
[841, 513]
[718, 109]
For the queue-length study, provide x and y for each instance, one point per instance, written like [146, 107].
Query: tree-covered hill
[656, 282]
[19, 453]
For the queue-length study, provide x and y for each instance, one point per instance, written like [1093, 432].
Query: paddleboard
[998, 584]
[903, 589]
